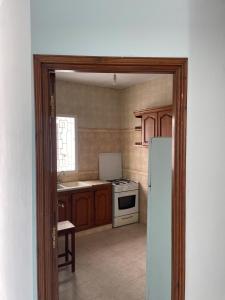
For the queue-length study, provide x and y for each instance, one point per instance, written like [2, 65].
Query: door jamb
[43, 65]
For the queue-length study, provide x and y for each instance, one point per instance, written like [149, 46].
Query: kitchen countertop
[95, 182]
[88, 184]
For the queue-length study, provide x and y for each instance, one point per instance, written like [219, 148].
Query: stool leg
[73, 251]
[66, 246]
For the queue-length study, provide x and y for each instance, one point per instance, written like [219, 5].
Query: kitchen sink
[72, 185]
[59, 186]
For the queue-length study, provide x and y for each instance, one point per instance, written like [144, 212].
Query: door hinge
[52, 105]
[54, 237]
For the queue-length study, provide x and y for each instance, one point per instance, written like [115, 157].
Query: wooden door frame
[43, 65]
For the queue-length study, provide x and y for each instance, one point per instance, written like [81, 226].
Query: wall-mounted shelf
[140, 145]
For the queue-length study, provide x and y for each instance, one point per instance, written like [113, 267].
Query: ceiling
[106, 79]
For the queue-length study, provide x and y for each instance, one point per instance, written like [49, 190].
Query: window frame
[75, 140]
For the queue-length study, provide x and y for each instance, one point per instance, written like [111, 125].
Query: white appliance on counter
[125, 195]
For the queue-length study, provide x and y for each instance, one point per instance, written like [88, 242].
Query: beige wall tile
[95, 107]
[92, 142]
[157, 92]
[98, 112]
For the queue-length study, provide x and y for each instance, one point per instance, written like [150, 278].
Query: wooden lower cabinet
[103, 206]
[64, 206]
[82, 210]
[86, 208]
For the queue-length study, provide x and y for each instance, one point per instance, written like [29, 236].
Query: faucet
[59, 180]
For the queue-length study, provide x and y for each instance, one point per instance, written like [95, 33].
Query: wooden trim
[176, 66]
[179, 181]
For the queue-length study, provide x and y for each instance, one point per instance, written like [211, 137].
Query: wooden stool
[64, 229]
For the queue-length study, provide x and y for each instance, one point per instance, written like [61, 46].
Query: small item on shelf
[138, 128]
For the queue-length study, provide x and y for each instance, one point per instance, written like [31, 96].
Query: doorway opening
[46, 111]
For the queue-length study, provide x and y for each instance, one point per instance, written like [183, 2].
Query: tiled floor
[110, 265]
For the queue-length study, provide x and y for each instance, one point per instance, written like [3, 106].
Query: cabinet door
[165, 123]
[82, 210]
[103, 206]
[149, 127]
[64, 207]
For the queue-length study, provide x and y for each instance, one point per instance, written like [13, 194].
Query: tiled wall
[157, 92]
[98, 112]
[106, 124]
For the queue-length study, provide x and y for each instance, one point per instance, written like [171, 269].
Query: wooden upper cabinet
[155, 122]
[149, 126]
[103, 206]
[165, 123]
[64, 207]
[82, 210]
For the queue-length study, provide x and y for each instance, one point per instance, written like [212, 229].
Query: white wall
[16, 253]
[206, 153]
[193, 28]
[104, 27]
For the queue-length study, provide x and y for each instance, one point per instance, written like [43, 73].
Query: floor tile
[110, 265]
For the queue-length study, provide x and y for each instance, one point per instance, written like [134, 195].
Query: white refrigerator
[159, 223]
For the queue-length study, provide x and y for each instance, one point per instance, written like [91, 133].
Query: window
[66, 136]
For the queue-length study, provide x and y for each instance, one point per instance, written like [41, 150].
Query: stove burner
[120, 181]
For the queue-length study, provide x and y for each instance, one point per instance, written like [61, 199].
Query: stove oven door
[125, 203]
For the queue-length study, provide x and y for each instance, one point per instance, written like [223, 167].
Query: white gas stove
[125, 192]
[123, 185]
[125, 202]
